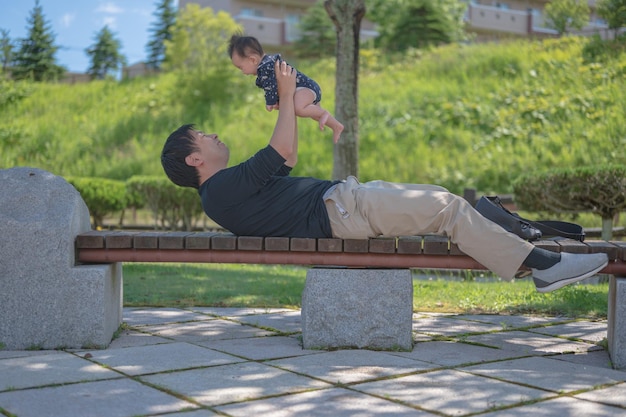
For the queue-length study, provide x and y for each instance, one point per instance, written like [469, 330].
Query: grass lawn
[184, 285]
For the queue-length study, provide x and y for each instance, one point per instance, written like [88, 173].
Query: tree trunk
[607, 228]
[347, 16]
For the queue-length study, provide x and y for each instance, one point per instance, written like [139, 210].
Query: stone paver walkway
[202, 362]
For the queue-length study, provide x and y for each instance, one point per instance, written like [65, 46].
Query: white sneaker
[571, 268]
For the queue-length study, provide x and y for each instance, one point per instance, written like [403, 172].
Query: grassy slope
[474, 116]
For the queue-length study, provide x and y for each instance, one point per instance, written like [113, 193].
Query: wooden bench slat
[173, 240]
[454, 249]
[303, 244]
[330, 245]
[356, 245]
[250, 243]
[622, 246]
[572, 246]
[410, 245]
[120, 240]
[550, 245]
[146, 240]
[280, 244]
[436, 245]
[382, 245]
[92, 240]
[601, 246]
[199, 240]
[224, 241]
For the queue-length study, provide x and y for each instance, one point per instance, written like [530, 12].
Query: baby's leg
[303, 101]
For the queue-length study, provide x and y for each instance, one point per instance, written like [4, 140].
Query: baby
[246, 53]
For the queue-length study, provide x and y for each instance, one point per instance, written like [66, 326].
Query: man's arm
[285, 137]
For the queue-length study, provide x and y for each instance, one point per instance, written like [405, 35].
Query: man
[259, 198]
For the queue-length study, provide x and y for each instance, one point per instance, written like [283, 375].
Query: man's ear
[193, 159]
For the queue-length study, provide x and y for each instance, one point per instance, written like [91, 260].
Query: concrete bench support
[47, 301]
[616, 332]
[357, 308]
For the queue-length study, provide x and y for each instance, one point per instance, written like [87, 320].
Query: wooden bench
[423, 252]
[403, 253]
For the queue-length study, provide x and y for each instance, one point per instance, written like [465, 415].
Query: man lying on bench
[259, 198]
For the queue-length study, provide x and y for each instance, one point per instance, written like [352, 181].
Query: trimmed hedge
[173, 207]
[600, 190]
[102, 196]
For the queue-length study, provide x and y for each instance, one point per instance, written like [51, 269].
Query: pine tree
[403, 24]
[105, 55]
[423, 25]
[35, 57]
[161, 31]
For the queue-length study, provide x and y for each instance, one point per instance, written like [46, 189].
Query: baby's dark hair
[244, 45]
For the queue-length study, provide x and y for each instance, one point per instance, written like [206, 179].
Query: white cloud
[110, 21]
[110, 8]
[67, 19]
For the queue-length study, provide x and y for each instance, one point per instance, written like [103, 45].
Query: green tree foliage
[318, 38]
[160, 32]
[565, 15]
[101, 195]
[598, 189]
[104, 55]
[405, 24]
[6, 49]
[35, 57]
[199, 39]
[198, 53]
[614, 12]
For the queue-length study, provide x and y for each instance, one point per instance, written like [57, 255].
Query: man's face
[211, 149]
[247, 64]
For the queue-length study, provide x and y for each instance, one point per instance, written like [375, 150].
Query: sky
[75, 24]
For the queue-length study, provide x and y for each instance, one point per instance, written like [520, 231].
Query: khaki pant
[379, 208]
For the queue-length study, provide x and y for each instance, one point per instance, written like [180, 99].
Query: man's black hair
[178, 146]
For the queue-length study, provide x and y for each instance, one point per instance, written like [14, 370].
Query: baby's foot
[323, 120]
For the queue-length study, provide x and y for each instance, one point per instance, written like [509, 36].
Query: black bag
[492, 208]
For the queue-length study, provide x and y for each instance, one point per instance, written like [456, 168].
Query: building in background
[273, 22]
[493, 19]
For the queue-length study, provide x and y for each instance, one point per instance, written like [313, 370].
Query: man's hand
[285, 79]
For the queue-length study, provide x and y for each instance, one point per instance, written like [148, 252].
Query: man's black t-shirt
[259, 198]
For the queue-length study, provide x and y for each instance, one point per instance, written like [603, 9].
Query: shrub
[13, 91]
[600, 190]
[173, 207]
[101, 195]
[600, 50]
